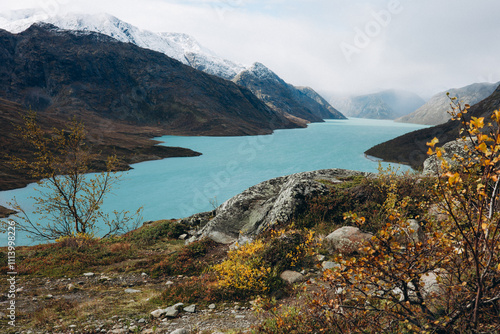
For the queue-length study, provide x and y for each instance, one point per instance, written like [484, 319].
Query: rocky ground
[116, 304]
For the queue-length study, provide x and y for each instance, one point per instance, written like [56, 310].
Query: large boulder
[346, 240]
[432, 165]
[274, 201]
[291, 276]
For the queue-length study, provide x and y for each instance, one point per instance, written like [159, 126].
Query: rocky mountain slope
[131, 143]
[183, 48]
[388, 104]
[434, 112]
[283, 97]
[411, 148]
[49, 69]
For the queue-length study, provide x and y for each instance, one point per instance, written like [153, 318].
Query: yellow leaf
[496, 116]
[433, 142]
[477, 122]
[482, 148]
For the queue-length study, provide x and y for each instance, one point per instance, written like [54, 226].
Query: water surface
[179, 187]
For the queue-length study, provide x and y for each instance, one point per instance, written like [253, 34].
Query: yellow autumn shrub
[245, 271]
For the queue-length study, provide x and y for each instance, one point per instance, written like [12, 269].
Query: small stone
[71, 287]
[158, 313]
[169, 283]
[183, 236]
[239, 316]
[72, 326]
[211, 306]
[180, 331]
[291, 277]
[118, 331]
[178, 305]
[21, 289]
[171, 312]
[49, 296]
[132, 291]
[329, 265]
[147, 331]
[133, 328]
[80, 283]
[141, 321]
[88, 274]
[320, 257]
[190, 309]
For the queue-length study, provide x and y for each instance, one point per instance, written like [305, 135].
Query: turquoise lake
[179, 187]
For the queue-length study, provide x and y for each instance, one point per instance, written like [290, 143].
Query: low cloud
[422, 46]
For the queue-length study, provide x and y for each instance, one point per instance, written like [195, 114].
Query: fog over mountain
[388, 104]
[435, 110]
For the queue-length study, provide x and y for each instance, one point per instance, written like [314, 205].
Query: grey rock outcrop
[432, 165]
[413, 232]
[346, 240]
[273, 201]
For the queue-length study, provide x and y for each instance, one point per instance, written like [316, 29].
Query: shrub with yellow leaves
[253, 269]
[245, 271]
[447, 280]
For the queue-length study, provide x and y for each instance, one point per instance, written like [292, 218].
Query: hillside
[50, 70]
[283, 97]
[181, 47]
[130, 143]
[411, 148]
[434, 112]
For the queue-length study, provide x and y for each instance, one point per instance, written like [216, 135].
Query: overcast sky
[341, 46]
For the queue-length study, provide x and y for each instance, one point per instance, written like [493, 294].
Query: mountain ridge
[179, 46]
[434, 111]
[411, 148]
[45, 67]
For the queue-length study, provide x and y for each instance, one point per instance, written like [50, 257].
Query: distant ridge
[280, 96]
[434, 112]
[387, 104]
[411, 148]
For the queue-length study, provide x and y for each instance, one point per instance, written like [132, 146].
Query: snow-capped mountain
[181, 47]
[280, 96]
[435, 110]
